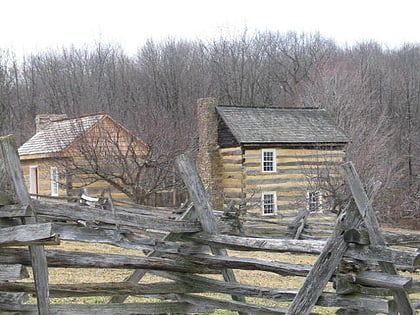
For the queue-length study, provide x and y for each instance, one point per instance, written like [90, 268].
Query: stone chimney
[42, 120]
[208, 160]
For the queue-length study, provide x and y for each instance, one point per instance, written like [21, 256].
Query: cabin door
[33, 180]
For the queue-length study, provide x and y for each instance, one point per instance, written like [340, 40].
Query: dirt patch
[409, 224]
[406, 225]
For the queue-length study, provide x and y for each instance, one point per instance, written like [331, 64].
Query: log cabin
[273, 162]
[59, 160]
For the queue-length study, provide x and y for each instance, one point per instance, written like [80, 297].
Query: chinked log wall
[242, 181]
[192, 244]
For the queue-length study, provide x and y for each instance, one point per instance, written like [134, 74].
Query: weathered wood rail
[185, 247]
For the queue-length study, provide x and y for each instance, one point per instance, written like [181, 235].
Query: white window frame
[273, 204]
[270, 163]
[54, 181]
[314, 201]
[33, 179]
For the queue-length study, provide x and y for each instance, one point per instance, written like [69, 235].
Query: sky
[29, 26]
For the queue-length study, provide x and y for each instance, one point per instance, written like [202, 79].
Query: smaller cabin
[63, 155]
[272, 161]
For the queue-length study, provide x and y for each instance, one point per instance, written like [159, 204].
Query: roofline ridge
[82, 116]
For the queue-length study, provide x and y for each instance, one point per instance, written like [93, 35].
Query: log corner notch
[357, 236]
[204, 210]
[11, 178]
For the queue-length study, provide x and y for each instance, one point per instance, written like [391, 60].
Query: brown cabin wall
[77, 183]
[44, 175]
[105, 139]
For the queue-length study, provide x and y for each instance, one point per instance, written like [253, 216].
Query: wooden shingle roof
[58, 135]
[251, 125]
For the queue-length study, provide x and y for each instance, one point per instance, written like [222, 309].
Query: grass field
[73, 275]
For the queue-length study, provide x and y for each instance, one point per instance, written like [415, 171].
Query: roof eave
[37, 156]
[294, 144]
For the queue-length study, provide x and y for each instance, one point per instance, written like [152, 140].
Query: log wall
[243, 183]
[77, 183]
[295, 167]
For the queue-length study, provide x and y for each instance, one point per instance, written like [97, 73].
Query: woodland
[372, 92]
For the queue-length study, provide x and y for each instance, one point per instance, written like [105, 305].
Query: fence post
[203, 209]
[368, 214]
[327, 262]
[10, 169]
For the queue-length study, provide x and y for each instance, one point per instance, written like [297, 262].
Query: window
[33, 180]
[54, 181]
[268, 160]
[314, 201]
[269, 203]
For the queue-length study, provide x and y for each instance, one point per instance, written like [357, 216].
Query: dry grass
[73, 275]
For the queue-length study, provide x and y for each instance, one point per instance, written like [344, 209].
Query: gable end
[225, 137]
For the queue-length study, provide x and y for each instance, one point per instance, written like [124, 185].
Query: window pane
[268, 160]
[269, 203]
[313, 201]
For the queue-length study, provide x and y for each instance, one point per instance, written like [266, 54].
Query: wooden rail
[186, 247]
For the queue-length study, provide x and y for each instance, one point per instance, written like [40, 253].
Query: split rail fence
[187, 247]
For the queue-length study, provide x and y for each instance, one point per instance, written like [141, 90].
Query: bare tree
[292, 61]
[323, 177]
[120, 159]
[355, 88]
